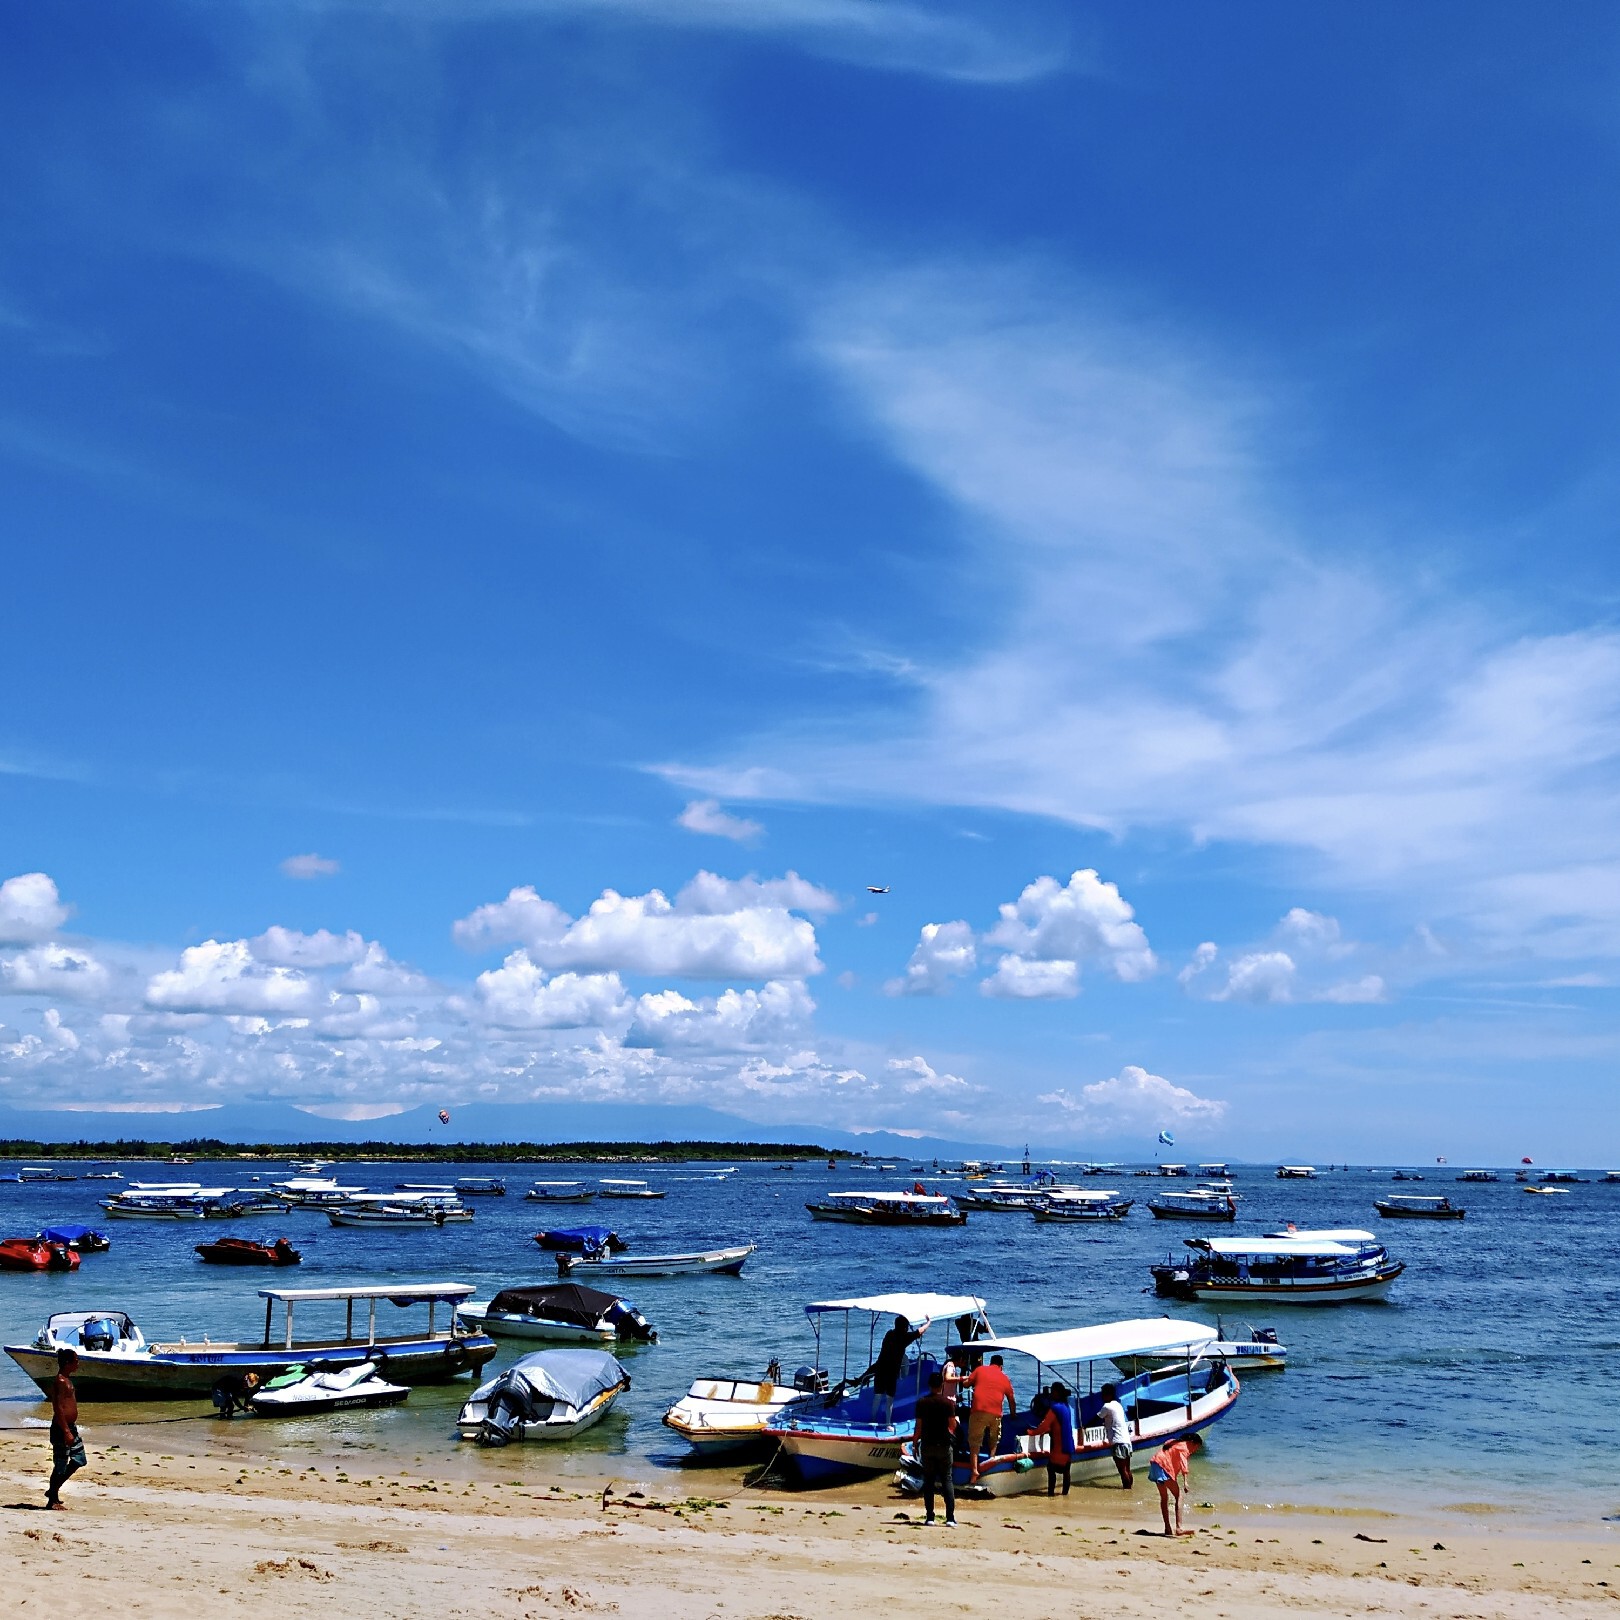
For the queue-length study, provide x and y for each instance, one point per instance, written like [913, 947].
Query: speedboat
[34, 1254]
[549, 1395]
[1073, 1204]
[244, 1252]
[304, 1391]
[1185, 1396]
[1548, 1192]
[1241, 1347]
[728, 1262]
[1201, 1204]
[560, 1192]
[1287, 1268]
[83, 1238]
[117, 1363]
[585, 1240]
[618, 1187]
[1408, 1207]
[719, 1415]
[560, 1313]
[838, 1435]
[887, 1209]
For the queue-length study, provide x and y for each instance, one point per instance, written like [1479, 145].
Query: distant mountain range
[474, 1122]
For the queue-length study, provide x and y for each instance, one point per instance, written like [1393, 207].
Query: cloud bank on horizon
[1061, 475]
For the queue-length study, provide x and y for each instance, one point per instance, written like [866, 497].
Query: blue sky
[1137, 484]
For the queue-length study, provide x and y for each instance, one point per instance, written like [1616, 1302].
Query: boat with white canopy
[1083, 1204]
[839, 1434]
[622, 1187]
[887, 1209]
[559, 1192]
[117, 1363]
[399, 1209]
[1408, 1207]
[728, 1262]
[1200, 1204]
[1286, 1268]
[1185, 1395]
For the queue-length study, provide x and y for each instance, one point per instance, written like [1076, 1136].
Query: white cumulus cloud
[733, 1020]
[1053, 928]
[224, 976]
[286, 947]
[521, 995]
[55, 970]
[307, 867]
[918, 1077]
[1019, 978]
[944, 951]
[30, 909]
[1135, 1100]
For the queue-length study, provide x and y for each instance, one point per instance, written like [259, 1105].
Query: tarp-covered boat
[550, 1395]
[86, 1239]
[562, 1313]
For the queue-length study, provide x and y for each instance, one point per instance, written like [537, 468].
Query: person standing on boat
[884, 1373]
[1117, 1432]
[1170, 1469]
[990, 1388]
[67, 1445]
[936, 1426]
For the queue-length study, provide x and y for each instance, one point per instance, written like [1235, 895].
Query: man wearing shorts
[1117, 1432]
[67, 1447]
[990, 1389]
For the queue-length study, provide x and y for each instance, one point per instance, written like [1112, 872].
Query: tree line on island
[425, 1152]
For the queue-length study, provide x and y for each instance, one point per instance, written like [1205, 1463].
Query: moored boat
[619, 1187]
[1296, 1172]
[720, 1415]
[887, 1209]
[581, 1239]
[34, 1254]
[174, 1201]
[727, 1262]
[1241, 1347]
[1409, 1207]
[86, 1239]
[844, 1433]
[116, 1362]
[399, 1209]
[559, 1192]
[232, 1251]
[1089, 1204]
[549, 1395]
[480, 1187]
[1183, 1397]
[1479, 1176]
[1288, 1268]
[1201, 1204]
[559, 1313]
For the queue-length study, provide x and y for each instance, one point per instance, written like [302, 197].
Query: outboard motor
[811, 1381]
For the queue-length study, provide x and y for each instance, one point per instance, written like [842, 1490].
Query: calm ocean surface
[1490, 1375]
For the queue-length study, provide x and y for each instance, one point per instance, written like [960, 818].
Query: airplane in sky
[872, 888]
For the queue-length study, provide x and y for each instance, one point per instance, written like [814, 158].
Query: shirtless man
[67, 1447]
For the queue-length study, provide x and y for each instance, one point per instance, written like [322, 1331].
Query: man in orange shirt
[990, 1389]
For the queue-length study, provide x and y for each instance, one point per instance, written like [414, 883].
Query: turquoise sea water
[1489, 1376]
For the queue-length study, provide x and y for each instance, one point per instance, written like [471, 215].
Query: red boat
[29, 1254]
[244, 1252]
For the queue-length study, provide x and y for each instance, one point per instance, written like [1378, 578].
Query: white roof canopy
[890, 1197]
[914, 1307]
[412, 1293]
[1143, 1336]
[1295, 1245]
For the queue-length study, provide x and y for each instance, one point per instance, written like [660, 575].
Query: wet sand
[190, 1529]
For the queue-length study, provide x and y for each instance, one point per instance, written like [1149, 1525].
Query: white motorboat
[1241, 1347]
[1201, 1204]
[619, 1187]
[1097, 1204]
[887, 1209]
[1284, 1268]
[718, 1415]
[559, 1192]
[1185, 1396]
[1408, 1207]
[399, 1209]
[174, 1201]
[311, 1192]
[480, 1186]
[549, 1395]
[1004, 1197]
[307, 1391]
[1296, 1172]
[728, 1261]
[559, 1313]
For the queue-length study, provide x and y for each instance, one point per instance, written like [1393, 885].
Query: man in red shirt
[67, 1448]
[990, 1389]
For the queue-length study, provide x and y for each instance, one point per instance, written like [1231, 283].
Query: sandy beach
[192, 1529]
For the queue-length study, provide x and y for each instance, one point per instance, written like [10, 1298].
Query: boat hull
[189, 1372]
[1327, 1291]
[857, 1217]
[718, 1416]
[576, 1421]
[542, 1332]
[1163, 1212]
[362, 1399]
[1390, 1213]
[824, 1455]
[719, 1262]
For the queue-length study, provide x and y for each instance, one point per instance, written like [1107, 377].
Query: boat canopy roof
[558, 1302]
[399, 1293]
[888, 1198]
[1414, 1198]
[574, 1377]
[1143, 1336]
[914, 1307]
[1296, 1245]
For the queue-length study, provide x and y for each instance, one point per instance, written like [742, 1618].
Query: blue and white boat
[1282, 1268]
[1083, 1204]
[837, 1435]
[1187, 1393]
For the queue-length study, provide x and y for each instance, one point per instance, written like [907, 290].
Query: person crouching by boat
[67, 1444]
[990, 1389]
[933, 1437]
[1057, 1424]
[1117, 1432]
[884, 1373]
[1170, 1469]
[234, 1393]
